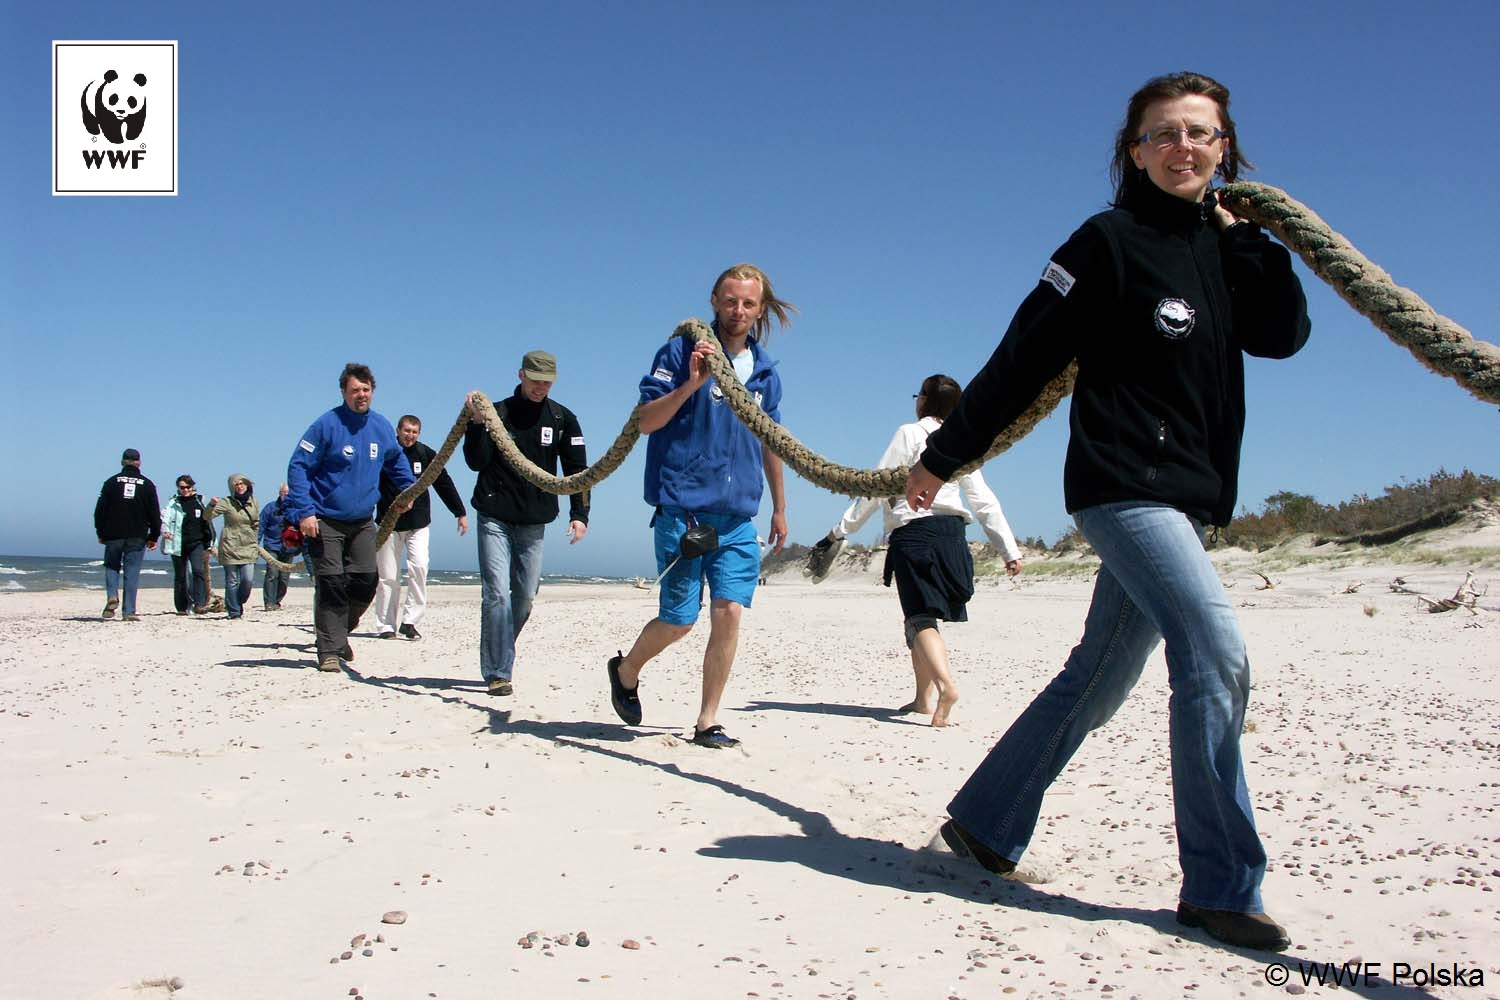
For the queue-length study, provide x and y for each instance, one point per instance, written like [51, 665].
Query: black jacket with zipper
[548, 434]
[127, 507]
[419, 456]
[1156, 306]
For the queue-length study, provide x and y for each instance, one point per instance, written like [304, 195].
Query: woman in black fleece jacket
[1157, 300]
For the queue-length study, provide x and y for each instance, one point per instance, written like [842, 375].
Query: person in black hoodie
[410, 534]
[513, 514]
[1156, 300]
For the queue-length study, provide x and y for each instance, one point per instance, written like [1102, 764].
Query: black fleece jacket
[1156, 307]
[418, 456]
[127, 507]
[547, 433]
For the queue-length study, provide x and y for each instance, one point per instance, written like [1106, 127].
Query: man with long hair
[705, 468]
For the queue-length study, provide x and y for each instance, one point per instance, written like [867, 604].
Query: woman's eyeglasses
[1198, 135]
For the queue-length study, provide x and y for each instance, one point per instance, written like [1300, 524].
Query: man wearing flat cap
[127, 522]
[513, 514]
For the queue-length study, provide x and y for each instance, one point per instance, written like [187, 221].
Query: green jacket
[237, 542]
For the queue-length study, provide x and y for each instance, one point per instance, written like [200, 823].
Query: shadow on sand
[820, 846]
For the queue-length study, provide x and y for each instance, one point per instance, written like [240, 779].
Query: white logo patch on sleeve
[546, 435]
[662, 375]
[416, 467]
[1058, 277]
[306, 446]
[374, 449]
[576, 442]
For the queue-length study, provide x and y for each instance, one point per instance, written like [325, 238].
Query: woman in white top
[928, 553]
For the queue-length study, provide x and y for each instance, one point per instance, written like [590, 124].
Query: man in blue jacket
[333, 481]
[274, 521]
[704, 467]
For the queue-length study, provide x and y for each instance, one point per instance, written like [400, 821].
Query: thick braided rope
[1400, 313]
[275, 563]
[841, 478]
[1436, 341]
[578, 482]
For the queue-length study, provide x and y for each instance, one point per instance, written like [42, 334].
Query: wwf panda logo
[116, 104]
[1175, 318]
[716, 393]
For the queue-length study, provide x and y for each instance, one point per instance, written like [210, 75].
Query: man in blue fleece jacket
[333, 481]
[704, 467]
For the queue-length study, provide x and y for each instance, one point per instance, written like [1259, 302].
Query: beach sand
[189, 798]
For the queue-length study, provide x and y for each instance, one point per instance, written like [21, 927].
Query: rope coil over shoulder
[1439, 343]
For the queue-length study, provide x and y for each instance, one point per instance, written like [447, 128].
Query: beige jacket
[237, 542]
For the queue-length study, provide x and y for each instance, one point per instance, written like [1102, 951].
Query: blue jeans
[237, 580]
[123, 555]
[1155, 583]
[510, 570]
[273, 586]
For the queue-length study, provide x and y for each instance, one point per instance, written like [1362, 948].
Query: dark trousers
[190, 578]
[273, 587]
[344, 554]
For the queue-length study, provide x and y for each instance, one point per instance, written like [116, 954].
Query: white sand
[146, 764]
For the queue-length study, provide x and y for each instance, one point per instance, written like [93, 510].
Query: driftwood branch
[1466, 596]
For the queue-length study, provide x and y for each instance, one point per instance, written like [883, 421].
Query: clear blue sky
[435, 188]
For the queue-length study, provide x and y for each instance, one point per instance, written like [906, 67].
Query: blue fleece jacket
[704, 460]
[273, 521]
[335, 469]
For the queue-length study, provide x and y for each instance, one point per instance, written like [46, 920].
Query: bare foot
[912, 708]
[945, 704]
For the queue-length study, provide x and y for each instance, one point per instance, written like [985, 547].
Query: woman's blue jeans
[237, 583]
[1156, 583]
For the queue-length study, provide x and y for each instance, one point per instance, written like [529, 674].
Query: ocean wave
[12, 585]
[11, 570]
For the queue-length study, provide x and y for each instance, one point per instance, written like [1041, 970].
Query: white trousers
[388, 592]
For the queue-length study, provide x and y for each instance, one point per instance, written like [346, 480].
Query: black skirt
[934, 572]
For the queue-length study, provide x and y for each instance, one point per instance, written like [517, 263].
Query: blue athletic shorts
[731, 570]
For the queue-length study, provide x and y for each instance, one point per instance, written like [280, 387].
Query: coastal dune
[193, 810]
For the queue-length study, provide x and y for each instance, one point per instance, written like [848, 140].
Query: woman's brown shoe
[1243, 930]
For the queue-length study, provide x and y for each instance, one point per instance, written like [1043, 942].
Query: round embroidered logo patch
[1175, 318]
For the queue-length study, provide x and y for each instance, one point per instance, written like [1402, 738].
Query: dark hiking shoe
[347, 652]
[500, 687]
[109, 607]
[627, 701]
[714, 738]
[330, 665]
[410, 631]
[963, 845]
[1243, 930]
